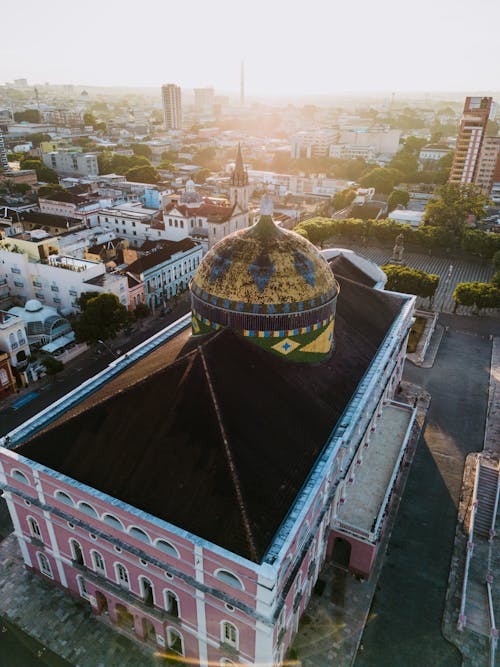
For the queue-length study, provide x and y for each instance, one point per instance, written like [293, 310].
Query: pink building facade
[175, 591]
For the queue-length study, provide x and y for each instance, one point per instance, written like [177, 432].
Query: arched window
[20, 476]
[82, 587]
[34, 528]
[122, 576]
[171, 603]
[12, 341]
[76, 552]
[20, 337]
[44, 565]
[98, 563]
[167, 548]
[175, 641]
[88, 509]
[225, 662]
[64, 498]
[139, 534]
[147, 591]
[229, 578]
[113, 521]
[229, 634]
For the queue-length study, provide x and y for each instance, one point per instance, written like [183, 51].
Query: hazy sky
[311, 46]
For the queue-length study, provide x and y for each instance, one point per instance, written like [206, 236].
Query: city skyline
[328, 50]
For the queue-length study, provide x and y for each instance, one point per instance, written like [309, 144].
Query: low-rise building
[167, 270]
[54, 224]
[25, 176]
[13, 339]
[7, 381]
[70, 163]
[69, 205]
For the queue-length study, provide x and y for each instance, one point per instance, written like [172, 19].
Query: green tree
[141, 311]
[43, 173]
[477, 242]
[143, 174]
[103, 317]
[496, 260]
[480, 295]
[38, 137]
[202, 175]
[85, 297]
[89, 119]
[397, 198]
[27, 116]
[142, 149]
[343, 198]
[52, 366]
[383, 179]
[410, 281]
[453, 204]
[166, 165]
[50, 189]
[171, 156]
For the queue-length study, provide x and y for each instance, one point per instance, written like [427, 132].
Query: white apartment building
[382, 141]
[72, 163]
[315, 143]
[54, 279]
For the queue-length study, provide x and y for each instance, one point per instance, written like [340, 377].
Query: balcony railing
[125, 594]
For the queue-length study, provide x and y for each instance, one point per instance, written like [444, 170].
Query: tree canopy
[452, 206]
[410, 281]
[343, 198]
[383, 179]
[143, 174]
[102, 317]
[142, 149]
[43, 173]
[480, 295]
[27, 116]
[397, 198]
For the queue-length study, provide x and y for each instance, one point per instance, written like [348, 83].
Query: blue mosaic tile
[262, 270]
[220, 266]
[304, 266]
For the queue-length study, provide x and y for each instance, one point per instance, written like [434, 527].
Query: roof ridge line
[230, 461]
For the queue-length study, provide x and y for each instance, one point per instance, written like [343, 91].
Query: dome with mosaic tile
[272, 286]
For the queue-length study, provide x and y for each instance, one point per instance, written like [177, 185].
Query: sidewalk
[475, 647]
[331, 628]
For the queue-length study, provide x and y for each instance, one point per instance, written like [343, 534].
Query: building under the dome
[191, 494]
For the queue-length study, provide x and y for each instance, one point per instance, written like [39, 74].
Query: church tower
[238, 190]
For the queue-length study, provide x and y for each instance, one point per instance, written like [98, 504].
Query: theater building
[192, 495]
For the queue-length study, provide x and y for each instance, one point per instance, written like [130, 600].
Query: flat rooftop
[365, 496]
[155, 436]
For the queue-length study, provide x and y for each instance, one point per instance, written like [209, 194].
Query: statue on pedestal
[397, 251]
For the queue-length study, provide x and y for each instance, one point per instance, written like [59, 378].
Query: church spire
[239, 176]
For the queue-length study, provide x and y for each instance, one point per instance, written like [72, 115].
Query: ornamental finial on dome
[266, 205]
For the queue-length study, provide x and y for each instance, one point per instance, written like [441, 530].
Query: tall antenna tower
[242, 83]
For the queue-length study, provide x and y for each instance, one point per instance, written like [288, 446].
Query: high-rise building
[204, 100]
[172, 106]
[471, 135]
[4, 163]
[488, 164]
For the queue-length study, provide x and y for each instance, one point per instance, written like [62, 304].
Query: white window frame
[228, 640]
[34, 527]
[97, 568]
[121, 581]
[44, 565]
[171, 631]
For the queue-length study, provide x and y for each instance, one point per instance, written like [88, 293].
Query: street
[404, 626]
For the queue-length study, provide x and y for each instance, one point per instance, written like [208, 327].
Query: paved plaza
[462, 271]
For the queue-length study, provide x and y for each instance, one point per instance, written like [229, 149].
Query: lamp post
[446, 283]
[108, 348]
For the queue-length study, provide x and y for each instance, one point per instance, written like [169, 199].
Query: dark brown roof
[65, 197]
[158, 444]
[341, 266]
[161, 255]
[49, 220]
